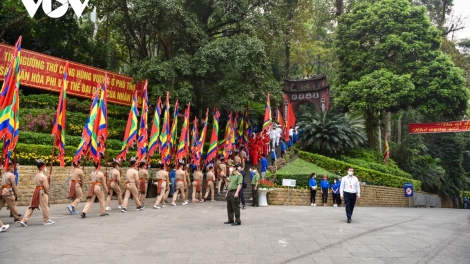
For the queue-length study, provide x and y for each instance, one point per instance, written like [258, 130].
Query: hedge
[70, 141]
[364, 174]
[300, 171]
[377, 167]
[27, 154]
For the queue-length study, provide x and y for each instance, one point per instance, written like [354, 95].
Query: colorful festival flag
[154, 142]
[194, 142]
[202, 139]
[184, 138]
[290, 121]
[130, 133]
[142, 142]
[9, 103]
[102, 128]
[267, 115]
[212, 151]
[58, 131]
[165, 134]
[87, 131]
[386, 149]
[228, 137]
[174, 125]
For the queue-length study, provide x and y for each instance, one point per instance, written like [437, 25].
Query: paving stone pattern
[195, 233]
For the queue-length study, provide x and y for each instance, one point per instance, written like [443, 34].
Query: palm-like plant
[331, 132]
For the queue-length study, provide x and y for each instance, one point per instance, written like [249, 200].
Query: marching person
[143, 182]
[163, 182]
[243, 156]
[180, 185]
[76, 187]
[234, 187]
[222, 174]
[264, 166]
[132, 177]
[278, 134]
[172, 178]
[350, 191]
[273, 136]
[114, 180]
[187, 180]
[96, 191]
[210, 183]
[325, 189]
[283, 148]
[40, 197]
[254, 186]
[9, 192]
[197, 185]
[3, 227]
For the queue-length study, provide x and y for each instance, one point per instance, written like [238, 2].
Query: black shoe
[235, 224]
[252, 205]
[83, 215]
[349, 221]
[105, 214]
[228, 222]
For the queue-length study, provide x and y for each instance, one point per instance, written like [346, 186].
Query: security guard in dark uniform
[234, 187]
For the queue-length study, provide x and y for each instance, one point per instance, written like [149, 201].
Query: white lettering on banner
[77, 6]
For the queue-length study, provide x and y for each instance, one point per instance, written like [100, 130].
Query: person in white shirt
[291, 132]
[273, 136]
[349, 192]
[278, 135]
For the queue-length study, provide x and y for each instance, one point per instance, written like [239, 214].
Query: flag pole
[50, 169]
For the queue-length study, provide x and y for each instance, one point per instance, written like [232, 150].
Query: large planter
[263, 200]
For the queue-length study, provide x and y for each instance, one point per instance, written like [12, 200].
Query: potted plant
[263, 188]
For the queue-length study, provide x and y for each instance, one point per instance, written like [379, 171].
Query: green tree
[330, 132]
[389, 51]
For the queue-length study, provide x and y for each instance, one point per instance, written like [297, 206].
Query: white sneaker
[335, 205]
[163, 205]
[4, 227]
[50, 222]
[120, 207]
[156, 207]
[314, 205]
[311, 204]
[185, 203]
[174, 204]
[108, 208]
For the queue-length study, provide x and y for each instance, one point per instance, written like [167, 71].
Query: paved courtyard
[195, 233]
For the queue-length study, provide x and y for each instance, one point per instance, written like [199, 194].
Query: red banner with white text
[46, 72]
[439, 127]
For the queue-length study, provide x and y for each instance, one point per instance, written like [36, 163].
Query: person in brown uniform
[222, 173]
[143, 182]
[3, 227]
[40, 197]
[243, 156]
[97, 190]
[75, 189]
[187, 180]
[162, 177]
[210, 183]
[114, 180]
[216, 170]
[132, 177]
[9, 192]
[180, 185]
[197, 185]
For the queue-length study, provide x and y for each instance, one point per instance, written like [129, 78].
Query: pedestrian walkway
[195, 233]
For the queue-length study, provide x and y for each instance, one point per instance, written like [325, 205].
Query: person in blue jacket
[335, 192]
[312, 185]
[264, 166]
[172, 178]
[283, 148]
[325, 189]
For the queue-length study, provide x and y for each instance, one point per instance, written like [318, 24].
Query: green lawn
[300, 166]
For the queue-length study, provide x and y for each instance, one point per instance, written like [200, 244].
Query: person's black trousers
[324, 195]
[241, 197]
[349, 201]
[313, 193]
[254, 193]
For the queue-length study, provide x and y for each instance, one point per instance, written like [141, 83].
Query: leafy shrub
[370, 155]
[70, 141]
[300, 171]
[378, 167]
[367, 175]
[28, 153]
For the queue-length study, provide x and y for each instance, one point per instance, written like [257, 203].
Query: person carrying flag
[114, 180]
[76, 185]
[162, 182]
[143, 182]
[197, 185]
[9, 191]
[96, 191]
[210, 183]
[180, 185]
[132, 178]
[40, 197]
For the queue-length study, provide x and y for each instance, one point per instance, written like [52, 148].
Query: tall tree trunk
[399, 128]
[287, 66]
[379, 134]
[389, 124]
[370, 129]
[339, 7]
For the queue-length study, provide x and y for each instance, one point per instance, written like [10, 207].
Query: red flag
[290, 120]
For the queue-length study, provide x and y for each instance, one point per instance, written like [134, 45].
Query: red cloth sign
[439, 127]
[46, 72]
